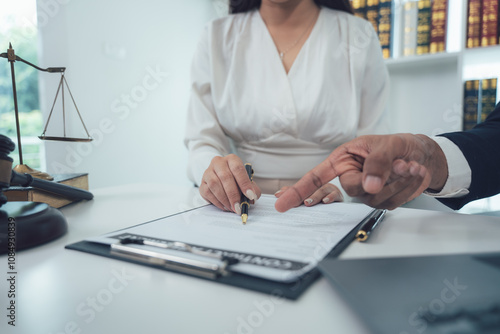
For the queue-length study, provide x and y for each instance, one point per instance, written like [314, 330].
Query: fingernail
[414, 170]
[422, 173]
[251, 195]
[326, 200]
[308, 201]
[372, 183]
[237, 208]
[276, 193]
[399, 166]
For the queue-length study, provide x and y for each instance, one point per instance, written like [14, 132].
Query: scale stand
[22, 168]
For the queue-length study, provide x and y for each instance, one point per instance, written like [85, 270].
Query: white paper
[272, 245]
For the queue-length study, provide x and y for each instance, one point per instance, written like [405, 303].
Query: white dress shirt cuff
[459, 173]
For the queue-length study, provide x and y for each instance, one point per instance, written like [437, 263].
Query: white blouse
[244, 102]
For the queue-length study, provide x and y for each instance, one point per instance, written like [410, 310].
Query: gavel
[8, 178]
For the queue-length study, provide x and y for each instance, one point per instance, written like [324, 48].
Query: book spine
[359, 7]
[384, 27]
[438, 26]
[372, 13]
[489, 22]
[423, 26]
[488, 98]
[493, 93]
[473, 23]
[471, 104]
[410, 28]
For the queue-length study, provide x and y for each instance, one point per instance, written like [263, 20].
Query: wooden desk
[65, 291]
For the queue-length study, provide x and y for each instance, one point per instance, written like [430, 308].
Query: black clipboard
[292, 290]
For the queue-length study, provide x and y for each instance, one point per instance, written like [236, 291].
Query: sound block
[34, 223]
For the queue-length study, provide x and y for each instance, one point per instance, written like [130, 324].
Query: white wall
[128, 68]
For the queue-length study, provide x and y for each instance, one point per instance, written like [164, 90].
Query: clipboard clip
[203, 264]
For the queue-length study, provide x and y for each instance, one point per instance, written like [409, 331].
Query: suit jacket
[481, 148]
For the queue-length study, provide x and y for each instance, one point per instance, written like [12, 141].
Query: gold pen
[245, 202]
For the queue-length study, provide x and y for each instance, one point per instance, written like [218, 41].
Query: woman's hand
[224, 181]
[328, 193]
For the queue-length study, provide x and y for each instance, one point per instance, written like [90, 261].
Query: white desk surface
[66, 291]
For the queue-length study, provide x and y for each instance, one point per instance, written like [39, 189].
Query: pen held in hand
[245, 202]
[369, 224]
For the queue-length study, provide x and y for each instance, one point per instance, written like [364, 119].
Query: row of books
[424, 27]
[480, 98]
[483, 28]
[379, 13]
[424, 24]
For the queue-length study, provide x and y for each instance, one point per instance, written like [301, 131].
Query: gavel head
[6, 147]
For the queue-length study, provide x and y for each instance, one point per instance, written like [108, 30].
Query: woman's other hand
[328, 193]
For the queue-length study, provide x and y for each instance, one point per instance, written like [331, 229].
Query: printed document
[272, 245]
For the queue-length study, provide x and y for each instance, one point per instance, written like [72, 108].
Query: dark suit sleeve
[481, 148]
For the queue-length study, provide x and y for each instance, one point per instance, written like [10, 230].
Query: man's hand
[224, 181]
[382, 171]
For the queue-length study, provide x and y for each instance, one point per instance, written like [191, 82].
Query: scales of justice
[22, 168]
[35, 223]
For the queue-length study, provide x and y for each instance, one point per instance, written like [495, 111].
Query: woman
[280, 84]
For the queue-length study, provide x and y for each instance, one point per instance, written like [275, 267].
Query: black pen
[245, 202]
[369, 224]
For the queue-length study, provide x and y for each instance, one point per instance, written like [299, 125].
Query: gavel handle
[26, 180]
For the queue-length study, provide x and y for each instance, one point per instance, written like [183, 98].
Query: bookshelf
[481, 63]
[422, 61]
[427, 90]
[426, 93]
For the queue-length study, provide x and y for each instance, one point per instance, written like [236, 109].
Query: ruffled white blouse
[244, 102]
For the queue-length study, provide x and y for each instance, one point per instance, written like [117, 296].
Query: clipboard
[290, 290]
